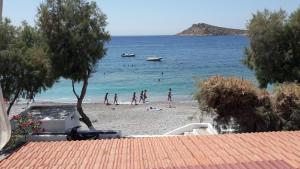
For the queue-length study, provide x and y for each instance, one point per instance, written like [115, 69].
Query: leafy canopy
[75, 33]
[274, 47]
[24, 64]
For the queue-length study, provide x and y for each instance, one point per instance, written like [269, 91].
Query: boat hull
[128, 55]
[154, 59]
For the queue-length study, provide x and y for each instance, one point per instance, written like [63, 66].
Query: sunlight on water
[185, 61]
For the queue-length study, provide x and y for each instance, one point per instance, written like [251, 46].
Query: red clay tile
[255, 150]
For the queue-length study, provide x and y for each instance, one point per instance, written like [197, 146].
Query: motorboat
[154, 59]
[128, 55]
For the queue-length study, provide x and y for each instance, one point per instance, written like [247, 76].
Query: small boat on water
[128, 55]
[154, 59]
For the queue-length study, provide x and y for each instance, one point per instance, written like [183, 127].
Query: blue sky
[162, 17]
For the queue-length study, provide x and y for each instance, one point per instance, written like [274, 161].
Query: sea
[186, 61]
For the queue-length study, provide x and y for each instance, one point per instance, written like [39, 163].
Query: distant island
[203, 29]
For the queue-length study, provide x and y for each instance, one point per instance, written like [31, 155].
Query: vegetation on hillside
[201, 29]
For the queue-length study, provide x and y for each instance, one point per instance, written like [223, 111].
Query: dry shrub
[228, 94]
[286, 103]
[238, 100]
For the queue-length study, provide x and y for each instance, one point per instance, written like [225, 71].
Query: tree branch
[74, 90]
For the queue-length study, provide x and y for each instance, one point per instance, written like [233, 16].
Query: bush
[273, 53]
[287, 105]
[22, 125]
[238, 101]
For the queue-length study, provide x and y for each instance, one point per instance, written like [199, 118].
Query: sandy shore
[149, 118]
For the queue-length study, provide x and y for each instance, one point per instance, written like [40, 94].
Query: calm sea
[186, 59]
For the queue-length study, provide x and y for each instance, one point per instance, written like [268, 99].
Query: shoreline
[123, 99]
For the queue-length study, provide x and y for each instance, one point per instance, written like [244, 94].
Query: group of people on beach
[143, 97]
[115, 99]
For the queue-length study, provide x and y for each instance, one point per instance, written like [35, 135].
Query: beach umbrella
[5, 128]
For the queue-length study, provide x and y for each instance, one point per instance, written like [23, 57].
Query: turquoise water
[186, 59]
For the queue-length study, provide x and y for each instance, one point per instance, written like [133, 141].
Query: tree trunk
[84, 118]
[12, 102]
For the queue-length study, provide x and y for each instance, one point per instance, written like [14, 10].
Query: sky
[161, 17]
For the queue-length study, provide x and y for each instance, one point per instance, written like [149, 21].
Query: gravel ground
[145, 119]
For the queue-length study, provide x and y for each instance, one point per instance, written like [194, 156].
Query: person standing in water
[145, 96]
[134, 98]
[106, 99]
[170, 98]
[170, 95]
[141, 96]
[116, 99]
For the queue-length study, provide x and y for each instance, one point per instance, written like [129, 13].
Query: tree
[266, 54]
[274, 52]
[24, 63]
[292, 38]
[75, 33]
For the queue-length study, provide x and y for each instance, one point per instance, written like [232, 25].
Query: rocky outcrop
[203, 29]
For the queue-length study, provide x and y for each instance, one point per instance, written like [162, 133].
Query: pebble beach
[152, 118]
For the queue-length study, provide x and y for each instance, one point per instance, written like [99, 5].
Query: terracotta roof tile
[274, 150]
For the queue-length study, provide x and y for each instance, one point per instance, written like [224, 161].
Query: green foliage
[22, 126]
[75, 33]
[274, 52]
[267, 52]
[7, 34]
[25, 68]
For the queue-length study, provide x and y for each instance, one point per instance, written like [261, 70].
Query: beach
[152, 118]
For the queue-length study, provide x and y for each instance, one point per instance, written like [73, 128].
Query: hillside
[203, 29]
